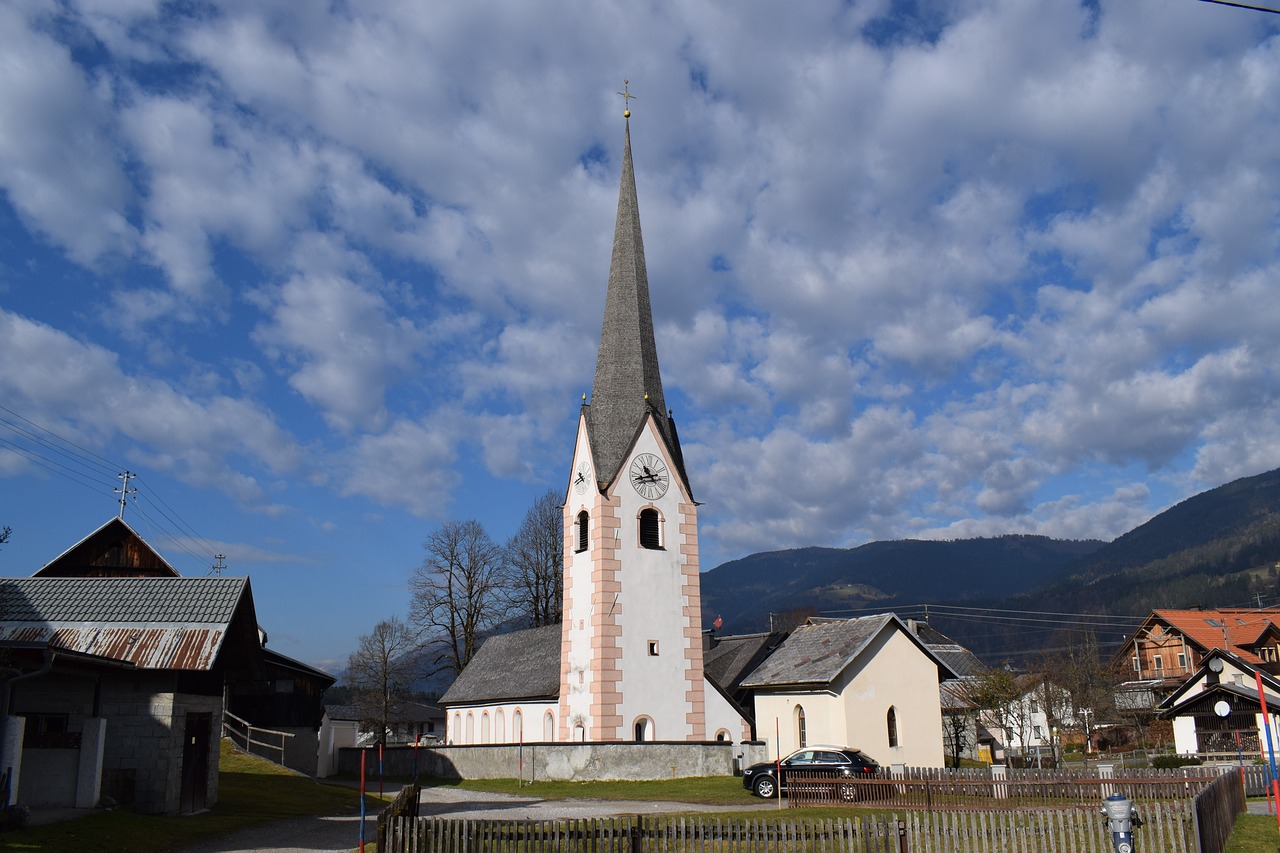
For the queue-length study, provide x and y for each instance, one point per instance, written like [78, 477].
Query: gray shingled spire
[627, 365]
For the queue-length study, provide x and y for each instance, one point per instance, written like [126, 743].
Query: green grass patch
[251, 792]
[1254, 833]
[704, 790]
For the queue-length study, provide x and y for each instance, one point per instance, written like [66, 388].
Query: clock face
[581, 477]
[649, 476]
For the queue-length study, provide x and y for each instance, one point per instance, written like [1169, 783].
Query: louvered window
[650, 529]
[583, 530]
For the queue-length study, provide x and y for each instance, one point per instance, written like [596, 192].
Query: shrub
[1171, 762]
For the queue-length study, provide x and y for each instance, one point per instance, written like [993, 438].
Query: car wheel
[848, 791]
[765, 787]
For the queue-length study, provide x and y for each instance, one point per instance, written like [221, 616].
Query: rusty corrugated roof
[153, 623]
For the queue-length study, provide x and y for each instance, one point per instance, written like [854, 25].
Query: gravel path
[308, 835]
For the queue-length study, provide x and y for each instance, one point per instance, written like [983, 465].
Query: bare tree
[381, 671]
[959, 720]
[535, 563]
[458, 591]
[998, 696]
[1090, 682]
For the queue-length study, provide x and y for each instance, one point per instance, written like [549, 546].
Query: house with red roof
[1171, 645]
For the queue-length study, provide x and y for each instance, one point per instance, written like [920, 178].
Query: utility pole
[218, 565]
[124, 491]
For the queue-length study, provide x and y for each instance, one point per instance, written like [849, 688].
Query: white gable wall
[853, 710]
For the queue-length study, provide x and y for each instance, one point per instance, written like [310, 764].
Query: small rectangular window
[1137, 664]
[1182, 660]
[653, 648]
[1157, 664]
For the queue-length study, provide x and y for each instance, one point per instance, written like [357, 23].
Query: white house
[1218, 710]
[868, 683]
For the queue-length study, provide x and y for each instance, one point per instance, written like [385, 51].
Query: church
[626, 663]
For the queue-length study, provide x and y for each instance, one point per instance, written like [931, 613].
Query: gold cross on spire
[626, 98]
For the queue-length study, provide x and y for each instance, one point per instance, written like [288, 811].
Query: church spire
[627, 384]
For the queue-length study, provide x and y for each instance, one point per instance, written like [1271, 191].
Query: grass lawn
[251, 792]
[1254, 834]
[712, 790]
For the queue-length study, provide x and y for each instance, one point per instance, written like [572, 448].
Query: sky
[327, 275]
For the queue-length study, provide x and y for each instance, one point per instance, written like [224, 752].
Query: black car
[834, 761]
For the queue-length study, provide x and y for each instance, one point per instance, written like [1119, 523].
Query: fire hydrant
[1122, 818]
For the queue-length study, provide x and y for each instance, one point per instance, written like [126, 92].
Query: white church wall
[657, 651]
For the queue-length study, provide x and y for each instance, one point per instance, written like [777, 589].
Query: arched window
[549, 727]
[723, 736]
[643, 728]
[583, 530]
[801, 737]
[517, 727]
[891, 722]
[579, 733]
[471, 728]
[484, 727]
[499, 726]
[650, 529]
[456, 734]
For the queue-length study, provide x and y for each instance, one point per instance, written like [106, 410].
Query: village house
[1218, 711]
[117, 673]
[868, 683]
[1170, 645]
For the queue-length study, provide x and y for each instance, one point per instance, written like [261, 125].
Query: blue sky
[326, 275]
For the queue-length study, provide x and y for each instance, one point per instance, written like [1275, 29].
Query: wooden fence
[1168, 828]
[403, 807]
[1217, 808]
[933, 789]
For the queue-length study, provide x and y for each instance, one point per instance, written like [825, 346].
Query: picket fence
[933, 789]
[1168, 827]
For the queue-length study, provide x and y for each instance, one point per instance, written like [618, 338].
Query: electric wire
[52, 452]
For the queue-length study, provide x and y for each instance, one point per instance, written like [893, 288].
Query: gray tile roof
[520, 665]
[817, 652]
[961, 661]
[733, 658]
[346, 713]
[152, 623]
[120, 600]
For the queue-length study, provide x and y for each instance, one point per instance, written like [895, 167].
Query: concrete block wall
[142, 761]
[562, 761]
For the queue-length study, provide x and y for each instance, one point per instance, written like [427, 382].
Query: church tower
[631, 651]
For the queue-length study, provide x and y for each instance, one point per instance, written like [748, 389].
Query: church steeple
[628, 384]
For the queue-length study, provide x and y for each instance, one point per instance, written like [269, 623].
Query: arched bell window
[650, 529]
[583, 530]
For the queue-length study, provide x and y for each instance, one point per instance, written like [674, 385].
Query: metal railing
[245, 736]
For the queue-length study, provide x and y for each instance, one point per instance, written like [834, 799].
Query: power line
[1243, 6]
[46, 449]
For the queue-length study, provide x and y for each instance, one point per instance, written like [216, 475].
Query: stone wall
[561, 761]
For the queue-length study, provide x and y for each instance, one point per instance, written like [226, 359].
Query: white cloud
[344, 347]
[926, 283]
[81, 388]
[58, 159]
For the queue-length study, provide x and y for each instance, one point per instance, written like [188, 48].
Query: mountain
[882, 575]
[1218, 548]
